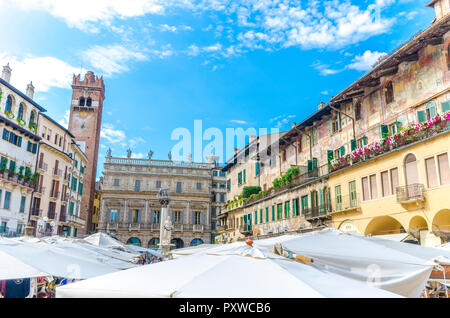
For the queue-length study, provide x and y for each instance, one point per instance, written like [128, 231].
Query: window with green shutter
[445, 106]
[261, 220]
[245, 179]
[280, 211]
[304, 204]
[353, 197]
[342, 151]
[294, 207]
[80, 188]
[240, 178]
[431, 110]
[352, 144]
[256, 217]
[330, 155]
[421, 116]
[273, 212]
[338, 198]
[384, 131]
[267, 214]
[321, 201]
[257, 168]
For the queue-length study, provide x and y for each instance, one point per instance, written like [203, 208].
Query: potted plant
[35, 178]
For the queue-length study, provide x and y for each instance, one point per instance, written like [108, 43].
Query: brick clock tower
[85, 123]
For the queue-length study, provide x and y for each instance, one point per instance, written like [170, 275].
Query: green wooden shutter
[445, 106]
[338, 198]
[431, 106]
[244, 176]
[294, 207]
[421, 116]
[304, 204]
[19, 142]
[257, 169]
[384, 131]
[352, 190]
[261, 220]
[321, 201]
[273, 212]
[267, 214]
[364, 141]
[256, 217]
[342, 151]
[330, 155]
[353, 144]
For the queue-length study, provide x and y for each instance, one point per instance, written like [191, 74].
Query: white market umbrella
[402, 268]
[104, 240]
[13, 268]
[246, 273]
[63, 259]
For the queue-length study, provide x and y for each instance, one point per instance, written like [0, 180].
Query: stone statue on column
[166, 227]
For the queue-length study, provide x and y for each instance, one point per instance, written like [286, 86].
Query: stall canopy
[13, 268]
[401, 268]
[68, 258]
[242, 272]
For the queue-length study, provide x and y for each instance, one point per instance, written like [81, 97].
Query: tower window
[389, 93]
[82, 101]
[89, 102]
[358, 111]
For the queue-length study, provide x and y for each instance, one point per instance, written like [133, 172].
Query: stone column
[188, 213]
[123, 214]
[102, 214]
[208, 215]
[146, 215]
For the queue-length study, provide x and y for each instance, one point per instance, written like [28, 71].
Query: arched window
[411, 171]
[32, 117]
[82, 101]
[358, 111]
[9, 104]
[89, 102]
[431, 110]
[153, 243]
[389, 92]
[134, 241]
[21, 111]
[196, 242]
[448, 56]
[177, 242]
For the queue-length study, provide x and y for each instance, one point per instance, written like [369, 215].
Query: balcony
[346, 203]
[36, 212]
[42, 166]
[62, 217]
[54, 195]
[413, 193]
[178, 227]
[317, 212]
[75, 220]
[40, 190]
[198, 228]
[66, 177]
[57, 172]
[246, 229]
[51, 215]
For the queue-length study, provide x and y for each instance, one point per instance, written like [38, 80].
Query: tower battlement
[90, 80]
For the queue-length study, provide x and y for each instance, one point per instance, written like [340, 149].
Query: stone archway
[196, 241]
[384, 225]
[134, 241]
[349, 226]
[441, 225]
[178, 242]
[153, 243]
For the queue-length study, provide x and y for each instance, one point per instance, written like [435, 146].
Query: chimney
[321, 105]
[30, 90]
[6, 73]
[441, 8]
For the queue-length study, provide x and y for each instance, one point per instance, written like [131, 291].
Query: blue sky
[241, 63]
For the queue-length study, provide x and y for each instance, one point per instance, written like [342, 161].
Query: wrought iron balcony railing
[410, 193]
[347, 202]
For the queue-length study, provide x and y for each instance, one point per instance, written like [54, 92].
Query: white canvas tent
[68, 258]
[401, 268]
[13, 268]
[242, 272]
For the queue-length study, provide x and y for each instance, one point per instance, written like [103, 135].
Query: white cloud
[281, 120]
[238, 121]
[65, 120]
[325, 69]
[112, 135]
[136, 141]
[366, 61]
[45, 72]
[111, 59]
[87, 14]
[138, 155]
